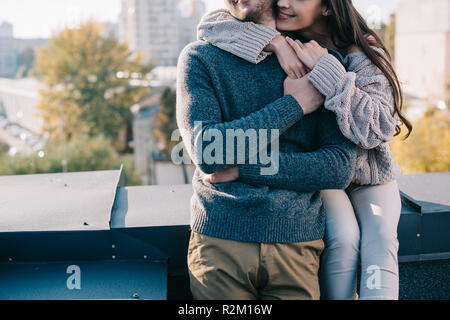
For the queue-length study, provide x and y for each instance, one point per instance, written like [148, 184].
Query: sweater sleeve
[246, 40]
[330, 166]
[199, 116]
[361, 98]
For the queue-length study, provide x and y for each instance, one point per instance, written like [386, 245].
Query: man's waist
[274, 225]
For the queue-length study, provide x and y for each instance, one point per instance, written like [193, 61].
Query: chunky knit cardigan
[360, 95]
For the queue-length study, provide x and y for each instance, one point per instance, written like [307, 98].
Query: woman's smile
[284, 16]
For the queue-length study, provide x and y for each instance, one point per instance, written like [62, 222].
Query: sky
[42, 18]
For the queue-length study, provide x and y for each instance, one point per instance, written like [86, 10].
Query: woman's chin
[285, 26]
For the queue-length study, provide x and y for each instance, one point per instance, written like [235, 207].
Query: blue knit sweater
[226, 92]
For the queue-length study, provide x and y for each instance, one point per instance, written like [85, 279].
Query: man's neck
[268, 20]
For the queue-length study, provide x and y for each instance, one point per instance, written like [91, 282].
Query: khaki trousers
[221, 269]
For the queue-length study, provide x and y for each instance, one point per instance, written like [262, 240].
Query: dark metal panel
[429, 196]
[409, 232]
[171, 241]
[57, 202]
[55, 246]
[158, 216]
[125, 246]
[84, 280]
[436, 232]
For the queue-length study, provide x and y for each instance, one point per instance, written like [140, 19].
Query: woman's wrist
[277, 44]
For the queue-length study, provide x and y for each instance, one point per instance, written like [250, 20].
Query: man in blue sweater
[259, 237]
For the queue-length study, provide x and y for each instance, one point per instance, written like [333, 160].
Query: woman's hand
[309, 53]
[287, 57]
[222, 176]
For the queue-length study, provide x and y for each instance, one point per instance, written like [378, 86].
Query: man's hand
[222, 176]
[287, 57]
[309, 98]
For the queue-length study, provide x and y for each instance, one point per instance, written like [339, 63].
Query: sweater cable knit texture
[359, 94]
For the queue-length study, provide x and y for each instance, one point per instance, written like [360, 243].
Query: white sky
[42, 18]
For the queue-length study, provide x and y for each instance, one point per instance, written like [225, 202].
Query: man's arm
[331, 166]
[197, 102]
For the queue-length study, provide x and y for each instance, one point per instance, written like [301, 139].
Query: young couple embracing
[314, 71]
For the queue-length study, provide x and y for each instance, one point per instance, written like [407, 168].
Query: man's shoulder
[199, 49]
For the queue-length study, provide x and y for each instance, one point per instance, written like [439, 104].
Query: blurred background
[88, 85]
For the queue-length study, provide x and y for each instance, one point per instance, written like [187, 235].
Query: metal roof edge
[410, 201]
[120, 183]
[424, 257]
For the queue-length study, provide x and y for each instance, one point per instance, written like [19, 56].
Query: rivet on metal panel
[145, 257]
[113, 257]
[10, 259]
[172, 191]
[113, 246]
[418, 235]
[135, 295]
[65, 184]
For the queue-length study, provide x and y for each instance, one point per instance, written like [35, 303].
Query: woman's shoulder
[355, 50]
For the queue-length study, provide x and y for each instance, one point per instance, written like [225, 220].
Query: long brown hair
[347, 27]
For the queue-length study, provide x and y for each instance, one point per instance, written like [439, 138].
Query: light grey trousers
[361, 228]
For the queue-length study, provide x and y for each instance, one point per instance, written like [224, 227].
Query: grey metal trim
[424, 257]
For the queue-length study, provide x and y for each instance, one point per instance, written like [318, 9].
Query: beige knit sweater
[360, 96]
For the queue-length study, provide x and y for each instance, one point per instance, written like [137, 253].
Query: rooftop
[49, 222]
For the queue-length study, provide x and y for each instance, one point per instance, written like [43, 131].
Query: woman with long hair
[347, 62]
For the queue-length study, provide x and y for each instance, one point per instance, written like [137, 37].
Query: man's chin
[245, 10]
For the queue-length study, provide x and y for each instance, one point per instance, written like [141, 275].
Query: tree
[428, 147]
[81, 68]
[166, 122]
[83, 153]
[4, 148]
[447, 94]
[389, 36]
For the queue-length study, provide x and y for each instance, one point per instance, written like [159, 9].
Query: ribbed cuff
[288, 110]
[327, 74]
[253, 40]
[250, 173]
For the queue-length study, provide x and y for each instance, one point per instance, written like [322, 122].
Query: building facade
[422, 47]
[10, 49]
[8, 54]
[159, 28]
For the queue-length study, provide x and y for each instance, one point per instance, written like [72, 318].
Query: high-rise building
[422, 47]
[159, 28]
[8, 65]
[11, 48]
[190, 13]
[6, 30]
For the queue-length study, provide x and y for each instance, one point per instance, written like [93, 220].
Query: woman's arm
[362, 98]
[249, 41]
[246, 40]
